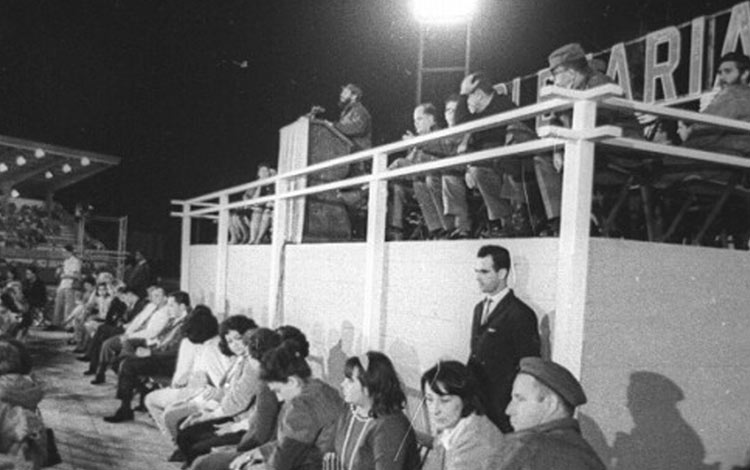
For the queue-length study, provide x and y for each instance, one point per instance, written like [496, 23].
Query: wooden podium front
[321, 217]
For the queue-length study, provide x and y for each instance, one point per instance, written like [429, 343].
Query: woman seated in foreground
[251, 427]
[373, 434]
[201, 362]
[229, 392]
[307, 419]
[464, 437]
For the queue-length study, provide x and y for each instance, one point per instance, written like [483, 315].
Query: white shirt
[71, 270]
[494, 301]
[140, 319]
[155, 324]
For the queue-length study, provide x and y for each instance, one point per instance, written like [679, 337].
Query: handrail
[466, 159]
[519, 114]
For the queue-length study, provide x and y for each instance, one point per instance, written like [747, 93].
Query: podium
[322, 217]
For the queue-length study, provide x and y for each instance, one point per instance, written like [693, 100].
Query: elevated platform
[664, 332]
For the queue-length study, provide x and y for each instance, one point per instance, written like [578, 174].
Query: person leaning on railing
[732, 102]
[572, 70]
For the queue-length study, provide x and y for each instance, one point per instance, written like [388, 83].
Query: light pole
[442, 13]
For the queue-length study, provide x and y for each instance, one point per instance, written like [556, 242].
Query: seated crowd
[522, 196]
[238, 396]
[28, 226]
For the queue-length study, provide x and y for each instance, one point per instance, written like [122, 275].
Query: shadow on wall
[660, 439]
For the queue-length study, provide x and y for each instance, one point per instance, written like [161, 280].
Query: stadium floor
[74, 409]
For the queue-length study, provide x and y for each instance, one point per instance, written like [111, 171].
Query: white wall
[665, 322]
[430, 294]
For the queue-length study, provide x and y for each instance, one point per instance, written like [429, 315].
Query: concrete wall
[247, 279]
[666, 361]
[666, 356]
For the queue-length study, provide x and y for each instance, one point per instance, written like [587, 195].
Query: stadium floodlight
[444, 11]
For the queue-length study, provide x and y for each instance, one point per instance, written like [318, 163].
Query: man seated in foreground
[546, 436]
[153, 357]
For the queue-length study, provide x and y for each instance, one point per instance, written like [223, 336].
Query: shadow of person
[595, 436]
[661, 438]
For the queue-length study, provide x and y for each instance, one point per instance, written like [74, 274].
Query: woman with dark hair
[307, 419]
[248, 429]
[464, 437]
[230, 344]
[200, 362]
[373, 434]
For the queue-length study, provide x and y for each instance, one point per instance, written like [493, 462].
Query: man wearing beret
[497, 181]
[503, 330]
[545, 395]
[572, 70]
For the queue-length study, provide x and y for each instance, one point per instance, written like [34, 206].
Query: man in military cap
[571, 69]
[546, 436]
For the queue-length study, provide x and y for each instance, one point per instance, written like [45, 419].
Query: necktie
[486, 311]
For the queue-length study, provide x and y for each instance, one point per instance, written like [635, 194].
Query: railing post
[280, 226]
[185, 249]
[222, 248]
[573, 249]
[375, 258]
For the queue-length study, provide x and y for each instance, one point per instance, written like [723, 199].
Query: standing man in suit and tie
[503, 330]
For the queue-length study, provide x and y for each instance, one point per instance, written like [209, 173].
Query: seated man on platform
[427, 189]
[496, 180]
[733, 102]
[546, 435]
[355, 121]
[157, 356]
[571, 69]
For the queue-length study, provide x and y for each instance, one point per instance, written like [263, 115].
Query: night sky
[191, 94]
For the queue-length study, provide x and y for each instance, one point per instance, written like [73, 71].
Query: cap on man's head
[742, 60]
[556, 377]
[567, 53]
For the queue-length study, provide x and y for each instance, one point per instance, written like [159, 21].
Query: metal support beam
[222, 248]
[281, 213]
[573, 248]
[185, 249]
[375, 261]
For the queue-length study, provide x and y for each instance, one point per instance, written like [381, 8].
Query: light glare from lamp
[85, 161]
[66, 168]
[39, 153]
[3, 167]
[14, 193]
[48, 175]
[20, 160]
[443, 11]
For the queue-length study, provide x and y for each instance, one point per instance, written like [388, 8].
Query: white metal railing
[578, 143]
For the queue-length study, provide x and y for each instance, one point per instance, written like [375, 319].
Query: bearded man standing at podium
[355, 121]
[503, 330]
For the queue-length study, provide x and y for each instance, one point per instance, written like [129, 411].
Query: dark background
[191, 93]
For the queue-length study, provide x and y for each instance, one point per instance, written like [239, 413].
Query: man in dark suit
[503, 330]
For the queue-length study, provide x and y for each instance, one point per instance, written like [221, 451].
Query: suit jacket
[510, 333]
